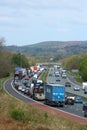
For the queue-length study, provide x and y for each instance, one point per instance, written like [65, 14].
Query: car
[78, 99]
[67, 84]
[85, 109]
[63, 75]
[85, 113]
[57, 74]
[50, 74]
[26, 78]
[76, 88]
[27, 91]
[17, 84]
[85, 106]
[20, 88]
[69, 100]
[57, 78]
[23, 89]
[85, 90]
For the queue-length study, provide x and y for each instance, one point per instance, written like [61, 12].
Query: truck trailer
[54, 95]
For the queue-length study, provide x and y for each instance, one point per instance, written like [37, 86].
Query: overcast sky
[24, 22]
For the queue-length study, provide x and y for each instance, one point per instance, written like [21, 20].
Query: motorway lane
[77, 108]
[14, 93]
[51, 79]
[73, 109]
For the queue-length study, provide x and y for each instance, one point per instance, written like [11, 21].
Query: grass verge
[17, 115]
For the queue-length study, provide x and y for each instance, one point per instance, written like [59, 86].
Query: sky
[25, 22]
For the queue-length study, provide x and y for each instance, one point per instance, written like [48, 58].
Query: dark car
[69, 101]
[85, 113]
[57, 78]
[67, 84]
[50, 74]
[85, 90]
[85, 106]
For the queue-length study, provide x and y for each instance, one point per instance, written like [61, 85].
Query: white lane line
[23, 94]
[43, 104]
[48, 106]
[8, 92]
[20, 93]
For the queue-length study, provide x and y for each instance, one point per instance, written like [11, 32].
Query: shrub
[46, 116]
[17, 114]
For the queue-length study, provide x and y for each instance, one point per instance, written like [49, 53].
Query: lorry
[54, 94]
[84, 84]
[37, 90]
[19, 72]
[38, 93]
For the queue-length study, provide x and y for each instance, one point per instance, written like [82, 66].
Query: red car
[26, 78]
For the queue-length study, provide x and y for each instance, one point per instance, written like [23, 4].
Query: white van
[84, 85]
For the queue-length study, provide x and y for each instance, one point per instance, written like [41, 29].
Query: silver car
[76, 88]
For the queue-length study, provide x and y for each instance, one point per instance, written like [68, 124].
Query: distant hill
[51, 48]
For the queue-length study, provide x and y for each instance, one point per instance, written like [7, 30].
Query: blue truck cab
[54, 94]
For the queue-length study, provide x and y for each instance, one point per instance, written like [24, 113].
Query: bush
[17, 114]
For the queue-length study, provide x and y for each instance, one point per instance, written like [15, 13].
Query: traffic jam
[27, 81]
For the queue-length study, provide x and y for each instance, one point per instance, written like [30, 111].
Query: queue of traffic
[28, 83]
[51, 93]
[73, 96]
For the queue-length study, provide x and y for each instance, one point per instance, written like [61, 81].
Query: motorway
[75, 109]
[51, 79]
[8, 85]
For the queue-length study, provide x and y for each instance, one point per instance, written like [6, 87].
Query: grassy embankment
[17, 115]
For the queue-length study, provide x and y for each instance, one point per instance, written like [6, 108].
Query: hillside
[51, 48]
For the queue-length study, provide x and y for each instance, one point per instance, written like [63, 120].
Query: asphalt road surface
[75, 109]
[12, 91]
[52, 79]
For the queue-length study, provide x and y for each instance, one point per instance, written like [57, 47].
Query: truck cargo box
[55, 94]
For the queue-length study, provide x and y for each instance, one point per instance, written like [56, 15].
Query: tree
[83, 67]
[5, 64]
[2, 40]
[20, 60]
[72, 62]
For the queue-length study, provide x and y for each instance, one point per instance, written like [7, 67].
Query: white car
[64, 75]
[20, 87]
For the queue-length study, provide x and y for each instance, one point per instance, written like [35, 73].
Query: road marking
[40, 102]
[8, 92]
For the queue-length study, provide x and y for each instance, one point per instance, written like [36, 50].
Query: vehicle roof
[76, 86]
[78, 97]
[53, 84]
[67, 82]
[85, 104]
[70, 96]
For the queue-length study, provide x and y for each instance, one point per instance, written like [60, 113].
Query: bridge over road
[49, 63]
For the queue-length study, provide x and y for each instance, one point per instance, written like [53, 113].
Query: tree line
[9, 60]
[78, 62]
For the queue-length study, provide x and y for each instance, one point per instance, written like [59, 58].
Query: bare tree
[2, 41]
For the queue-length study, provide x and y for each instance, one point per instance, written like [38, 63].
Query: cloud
[31, 16]
[64, 10]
